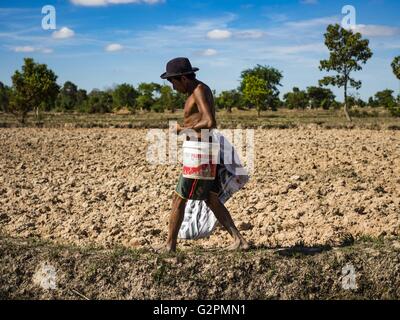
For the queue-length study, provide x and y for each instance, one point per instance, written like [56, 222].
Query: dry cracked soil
[310, 187]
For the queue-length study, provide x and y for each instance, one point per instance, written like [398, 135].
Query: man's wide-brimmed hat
[178, 67]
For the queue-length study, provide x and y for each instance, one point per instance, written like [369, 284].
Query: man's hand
[180, 129]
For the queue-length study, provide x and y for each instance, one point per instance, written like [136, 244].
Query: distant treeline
[35, 87]
[49, 96]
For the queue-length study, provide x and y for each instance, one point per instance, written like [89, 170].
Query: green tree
[256, 92]
[124, 95]
[81, 100]
[347, 52]
[372, 103]
[396, 70]
[320, 97]
[228, 99]
[5, 93]
[272, 80]
[99, 102]
[166, 99]
[144, 102]
[351, 101]
[33, 88]
[147, 93]
[298, 99]
[68, 97]
[271, 76]
[396, 67]
[179, 99]
[336, 105]
[361, 103]
[385, 99]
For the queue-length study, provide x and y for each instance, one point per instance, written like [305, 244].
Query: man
[199, 113]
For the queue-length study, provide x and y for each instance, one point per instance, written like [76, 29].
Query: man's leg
[223, 216]
[175, 221]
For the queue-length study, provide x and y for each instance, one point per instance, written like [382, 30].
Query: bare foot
[238, 245]
[164, 248]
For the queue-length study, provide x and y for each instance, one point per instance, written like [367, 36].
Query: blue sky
[100, 43]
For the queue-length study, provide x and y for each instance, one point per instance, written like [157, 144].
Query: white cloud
[276, 17]
[24, 49]
[208, 52]
[290, 43]
[377, 30]
[97, 3]
[63, 33]
[310, 23]
[218, 34]
[250, 34]
[385, 45]
[153, 1]
[114, 47]
[318, 47]
[27, 49]
[47, 50]
[194, 31]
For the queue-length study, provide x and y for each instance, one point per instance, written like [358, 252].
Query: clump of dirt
[312, 186]
[37, 270]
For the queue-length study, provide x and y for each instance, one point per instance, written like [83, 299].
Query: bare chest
[190, 108]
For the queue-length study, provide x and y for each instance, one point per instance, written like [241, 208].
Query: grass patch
[159, 275]
[371, 240]
[119, 252]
